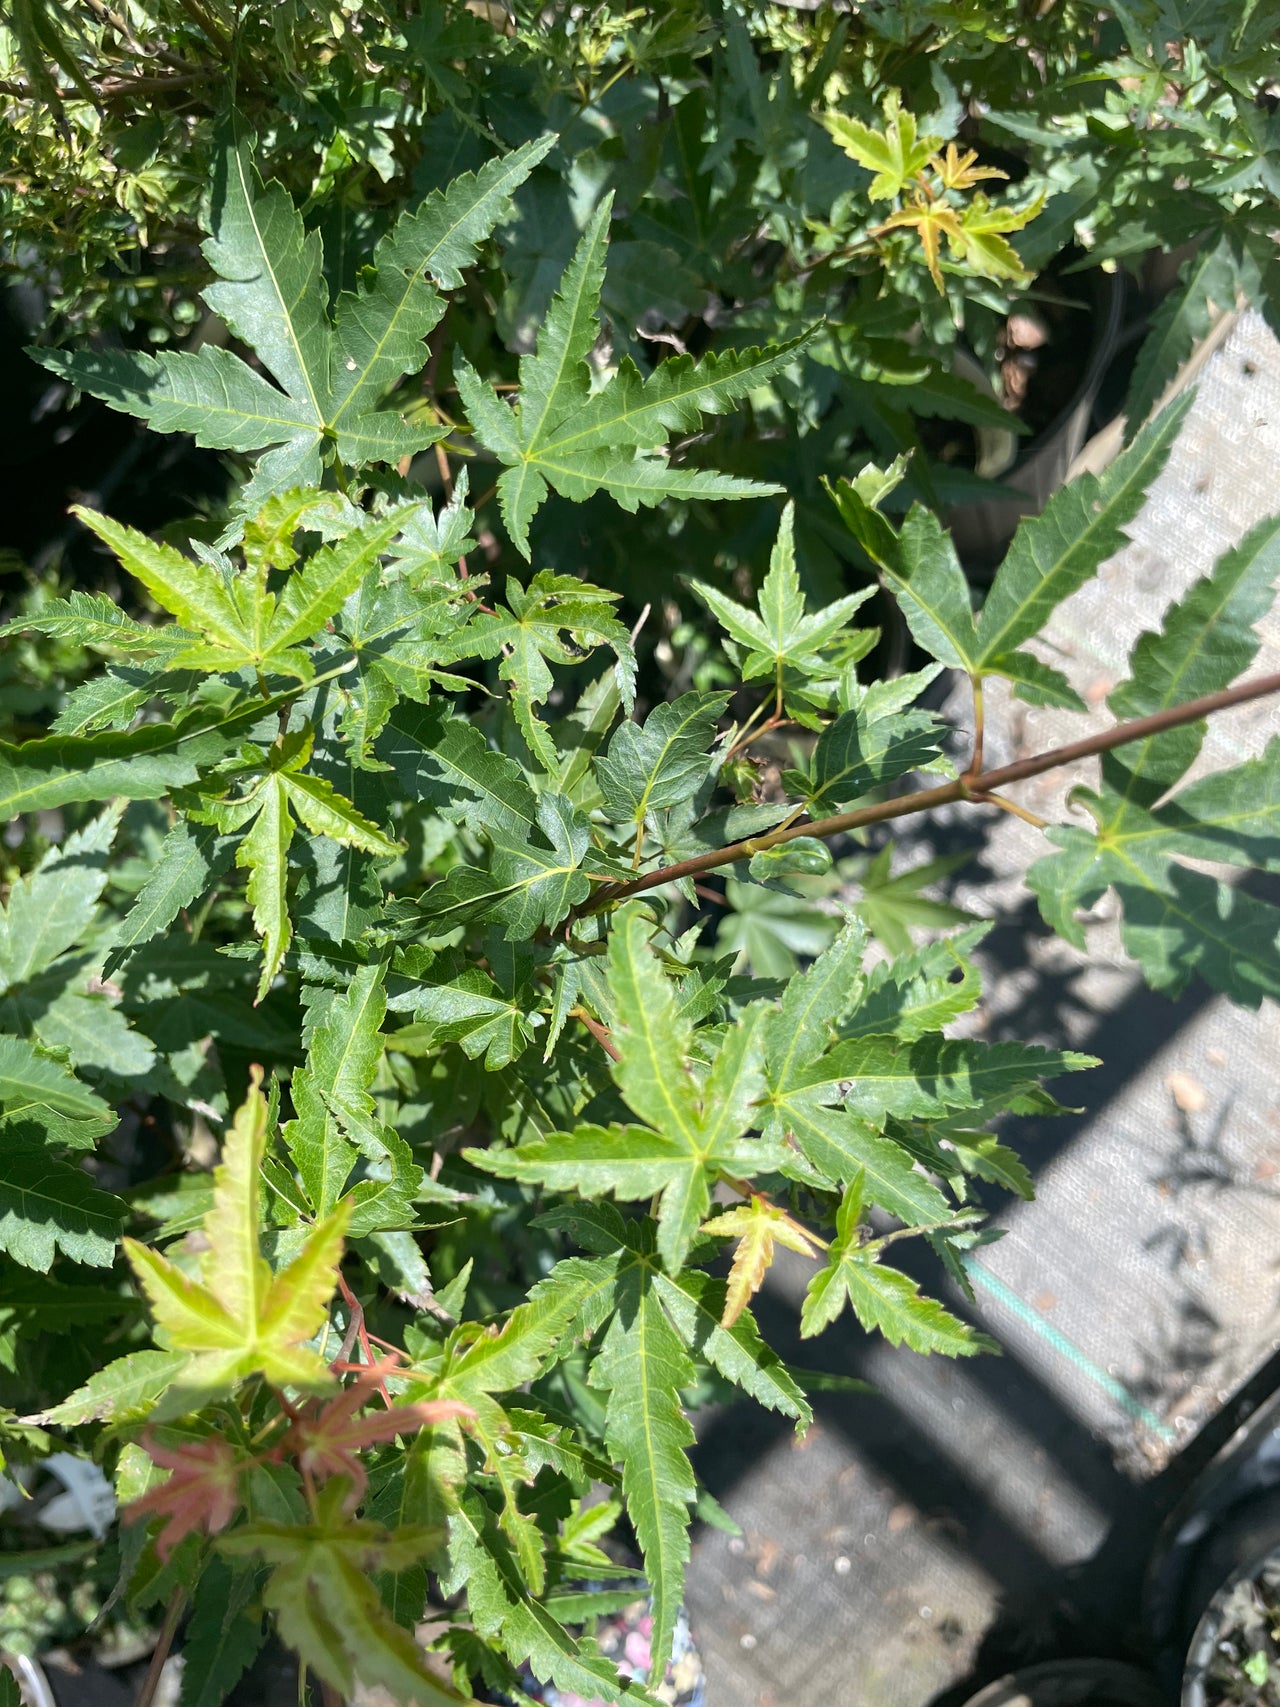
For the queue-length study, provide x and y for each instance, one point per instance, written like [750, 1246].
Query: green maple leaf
[1051, 556]
[897, 154]
[329, 1610]
[330, 374]
[832, 1087]
[779, 636]
[882, 1298]
[533, 879]
[285, 792]
[661, 762]
[696, 1123]
[239, 1318]
[564, 435]
[474, 1011]
[556, 619]
[234, 621]
[1178, 921]
[871, 744]
[334, 1121]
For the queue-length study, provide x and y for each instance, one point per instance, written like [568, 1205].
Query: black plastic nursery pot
[1224, 1537]
[1236, 1574]
[1071, 1683]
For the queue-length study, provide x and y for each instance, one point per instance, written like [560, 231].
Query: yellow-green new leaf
[238, 1318]
[757, 1226]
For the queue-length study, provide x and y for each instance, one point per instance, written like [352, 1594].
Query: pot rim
[1132, 1687]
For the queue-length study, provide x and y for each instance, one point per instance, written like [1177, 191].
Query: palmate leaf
[556, 619]
[862, 750]
[779, 636]
[891, 904]
[327, 1606]
[896, 155]
[1177, 921]
[661, 762]
[239, 1318]
[696, 1127]
[561, 435]
[757, 1227]
[288, 792]
[532, 880]
[1051, 556]
[882, 1298]
[474, 1012]
[474, 1365]
[330, 374]
[240, 623]
[833, 1102]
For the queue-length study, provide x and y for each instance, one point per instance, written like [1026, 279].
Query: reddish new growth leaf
[328, 1443]
[201, 1494]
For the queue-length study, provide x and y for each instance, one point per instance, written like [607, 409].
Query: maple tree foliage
[394, 880]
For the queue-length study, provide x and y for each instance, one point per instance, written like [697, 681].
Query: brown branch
[168, 1630]
[968, 787]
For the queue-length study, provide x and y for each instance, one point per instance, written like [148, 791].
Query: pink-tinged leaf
[202, 1494]
[327, 1444]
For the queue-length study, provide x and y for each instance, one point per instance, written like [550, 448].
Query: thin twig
[599, 1032]
[1007, 805]
[971, 788]
[975, 763]
[168, 1630]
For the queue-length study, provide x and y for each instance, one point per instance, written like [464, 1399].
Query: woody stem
[970, 787]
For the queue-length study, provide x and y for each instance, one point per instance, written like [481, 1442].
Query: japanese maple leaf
[240, 1318]
[757, 1226]
[202, 1493]
[327, 1444]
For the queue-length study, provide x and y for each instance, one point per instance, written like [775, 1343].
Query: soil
[1246, 1668]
